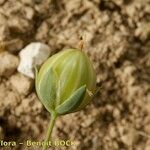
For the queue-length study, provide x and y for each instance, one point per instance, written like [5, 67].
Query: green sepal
[46, 89]
[72, 103]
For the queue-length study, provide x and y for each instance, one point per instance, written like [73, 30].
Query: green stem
[49, 131]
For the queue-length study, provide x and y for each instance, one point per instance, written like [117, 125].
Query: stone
[147, 129]
[32, 55]
[2, 1]
[21, 83]
[42, 32]
[128, 135]
[2, 46]
[29, 12]
[4, 32]
[14, 45]
[8, 64]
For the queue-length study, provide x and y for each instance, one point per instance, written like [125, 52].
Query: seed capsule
[64, 81]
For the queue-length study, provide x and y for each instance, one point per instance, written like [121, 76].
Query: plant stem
[50, 128]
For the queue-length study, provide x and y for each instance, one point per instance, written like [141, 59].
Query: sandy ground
[116, 34]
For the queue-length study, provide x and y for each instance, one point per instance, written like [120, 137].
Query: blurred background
[116, 36]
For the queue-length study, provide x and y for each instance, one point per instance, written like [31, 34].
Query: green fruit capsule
[65, 81]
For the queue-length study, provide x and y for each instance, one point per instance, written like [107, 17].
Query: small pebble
[32, 55]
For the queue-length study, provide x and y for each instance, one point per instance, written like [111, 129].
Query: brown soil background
[117, 34]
